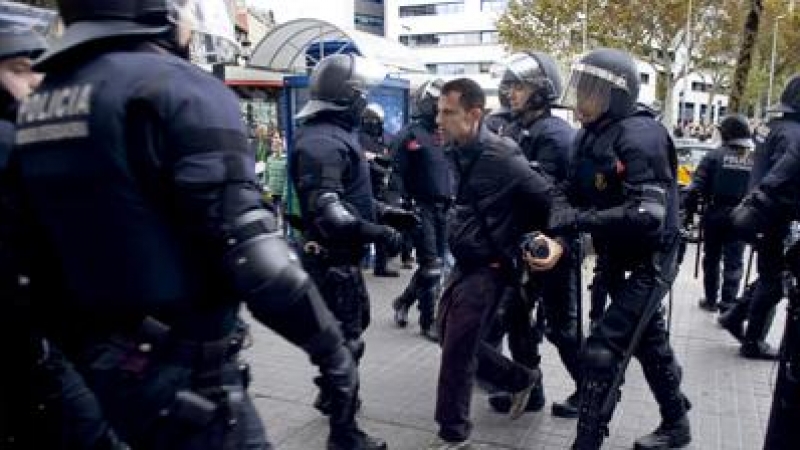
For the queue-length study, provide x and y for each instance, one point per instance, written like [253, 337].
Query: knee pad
[599, 360]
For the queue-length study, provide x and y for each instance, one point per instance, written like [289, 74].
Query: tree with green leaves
[655, 32]
[745, 59]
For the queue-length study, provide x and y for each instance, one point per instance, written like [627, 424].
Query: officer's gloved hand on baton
[540, 252]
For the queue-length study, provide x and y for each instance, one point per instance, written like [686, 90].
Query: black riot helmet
[372, 120]
[735, 131]
[790, 98]
[90, 21]
[604, 83]
[340, 83]
[21, 29]
[536, 70]
[426, 98]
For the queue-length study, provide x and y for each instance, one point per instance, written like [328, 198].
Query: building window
[644, 78]
[466, 68]
[494, 5]
[450, 39]
[433, 9]
[699, 86]
[490, 37]
[368, 20]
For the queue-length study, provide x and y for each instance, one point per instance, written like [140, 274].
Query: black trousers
[769, 289]
[719, 248]
[467, 308]
[629, 295]
[430, 242]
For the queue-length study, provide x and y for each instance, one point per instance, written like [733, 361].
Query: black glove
[393, 240]
[398, 218]
[564, 220]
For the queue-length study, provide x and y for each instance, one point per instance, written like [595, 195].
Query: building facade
[369, 16]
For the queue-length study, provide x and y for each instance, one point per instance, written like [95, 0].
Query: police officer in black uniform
[532, 83]
[782, 139]
[146, 215]
[330, 172]
[622, 188]
[44, 401]
[425, 178]
[721, 181]
[761, 217]
[499, 117]
[374, 140]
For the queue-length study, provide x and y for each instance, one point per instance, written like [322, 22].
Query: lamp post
[585, 26]
[772, 59]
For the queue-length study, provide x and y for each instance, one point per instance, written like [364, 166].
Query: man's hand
[555, 250]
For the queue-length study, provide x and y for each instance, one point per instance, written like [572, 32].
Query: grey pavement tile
[731, 396]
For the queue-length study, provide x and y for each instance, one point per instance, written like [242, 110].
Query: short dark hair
[472, 95]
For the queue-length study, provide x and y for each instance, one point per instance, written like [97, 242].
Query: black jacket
[545, 140]
[781, 179]
[495, 178]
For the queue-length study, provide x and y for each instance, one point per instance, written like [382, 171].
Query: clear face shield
[367, 74]
[588, 91]
[205, 26]
[41, 20]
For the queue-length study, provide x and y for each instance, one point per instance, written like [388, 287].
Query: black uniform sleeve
[552, 148]
[201, 155]
[397, 149]
[646, 180]
[701, 182]
[781, 182]
[533, 194]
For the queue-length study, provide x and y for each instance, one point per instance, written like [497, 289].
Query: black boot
[400, 307]
[669, 434]
[356, 440]
[707, 305]
[729, 320]
[386, 273]
[758, 350]
[567, 409]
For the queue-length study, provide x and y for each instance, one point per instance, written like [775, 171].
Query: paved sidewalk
[731, 395]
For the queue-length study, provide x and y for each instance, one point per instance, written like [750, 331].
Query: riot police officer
[721, 182]
[762, 216]
[150, 231]
[44, 401]
[340, 216]
[499, 117]
[426, 179]
[532, 83]
[779, 143]
[374, 141]
[622, 189]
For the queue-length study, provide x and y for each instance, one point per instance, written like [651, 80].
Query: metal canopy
[284, 48]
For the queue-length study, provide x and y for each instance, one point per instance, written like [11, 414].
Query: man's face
[17, 76]
[518, 95]
[458, 124]
[590, 106]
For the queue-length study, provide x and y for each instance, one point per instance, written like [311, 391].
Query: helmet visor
[588, 91]
[16, 15]
[367, 74]
[213, 39]
[521, 66]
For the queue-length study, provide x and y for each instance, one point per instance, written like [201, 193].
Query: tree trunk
[745, 59]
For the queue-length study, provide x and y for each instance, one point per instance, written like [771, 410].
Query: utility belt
[191, 382]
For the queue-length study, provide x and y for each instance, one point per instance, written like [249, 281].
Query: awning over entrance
[287, 47]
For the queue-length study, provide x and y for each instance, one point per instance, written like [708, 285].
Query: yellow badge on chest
[600, 181]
